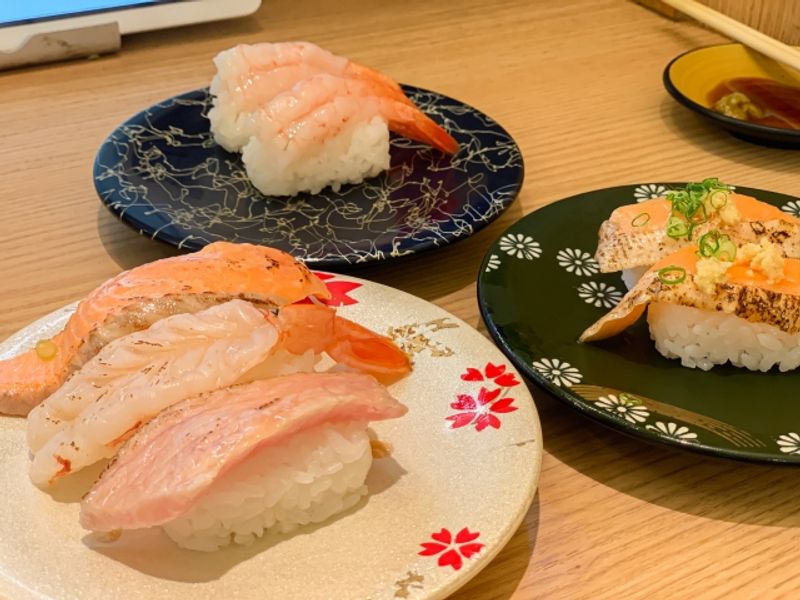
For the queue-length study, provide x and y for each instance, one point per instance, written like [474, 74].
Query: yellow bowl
[692, 75]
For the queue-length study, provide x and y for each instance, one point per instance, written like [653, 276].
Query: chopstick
[739, 31]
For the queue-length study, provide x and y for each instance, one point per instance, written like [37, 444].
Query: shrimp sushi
[637, 236]
[136, 376]
[250, 75]
[135, 299]
[715, 302]
[305, 119]
[228, 466]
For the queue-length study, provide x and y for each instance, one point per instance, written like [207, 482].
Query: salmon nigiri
[717, 302]
[636, 236]
[135, 299]
[226, 466]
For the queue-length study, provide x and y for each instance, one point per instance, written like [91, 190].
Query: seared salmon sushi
[135, 299]
[716, 302]
[637, 236]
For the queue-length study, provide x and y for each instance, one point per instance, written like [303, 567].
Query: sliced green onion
[689, 205]
[708, 244]
[714, 245]
[672, 275]
[677, 227]
[717, 199]
[713, 183]
[727, 249]
[694, 219]
[641, 219]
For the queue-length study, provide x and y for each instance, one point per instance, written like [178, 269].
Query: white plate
[444, 477]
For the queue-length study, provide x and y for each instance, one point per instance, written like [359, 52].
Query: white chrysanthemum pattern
[648, 191]
[577, 261]
[673, 430]
[493, 263]
[600, 294]
[793, 208]
[789, 443]
[559, 372]
[520, 245]
[623, 406]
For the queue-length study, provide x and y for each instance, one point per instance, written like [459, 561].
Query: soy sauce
[758, 100]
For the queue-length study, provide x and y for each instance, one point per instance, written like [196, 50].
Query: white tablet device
[41, 30]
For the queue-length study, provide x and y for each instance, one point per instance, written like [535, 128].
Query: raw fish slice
[635, 235]
[135, 299]
[135, 377]
[174, 459]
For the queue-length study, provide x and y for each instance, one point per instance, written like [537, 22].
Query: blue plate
[162, 173]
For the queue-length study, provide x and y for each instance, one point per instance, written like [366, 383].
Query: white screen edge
[133, 20]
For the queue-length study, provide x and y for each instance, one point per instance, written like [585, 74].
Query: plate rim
[471, 567]
[581, 406]
[326, 263]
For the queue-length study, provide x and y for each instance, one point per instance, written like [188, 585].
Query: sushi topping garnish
[46, 349]
[641, 219]
[765, 258]
[696, 203]
[716, 245]
[672, 275]
[710, 272]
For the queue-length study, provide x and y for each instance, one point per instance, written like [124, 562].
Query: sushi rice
[358, 151]
[702, 339]
[313, 476]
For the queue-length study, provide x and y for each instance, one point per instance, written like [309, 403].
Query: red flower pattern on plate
[481, 410]
[499, 374]
[451, 550]
[339, 291]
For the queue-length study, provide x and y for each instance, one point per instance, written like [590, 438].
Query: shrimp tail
[319, 328]
[365, 350]
[412, 123]
[383, 85]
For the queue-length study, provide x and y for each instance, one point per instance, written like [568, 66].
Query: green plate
[539, 288]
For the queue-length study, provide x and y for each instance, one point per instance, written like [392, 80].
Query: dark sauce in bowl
[758, 100]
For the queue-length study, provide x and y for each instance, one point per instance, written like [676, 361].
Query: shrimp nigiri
[250, 76]
[226, 466]
[135, 299]
[305, 119]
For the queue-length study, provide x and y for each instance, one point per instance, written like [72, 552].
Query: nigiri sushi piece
[636, 236]
[326, 131]
[305, 119]
[251, 75]
[135, 299]
[135, 377]
[711, 304]
[225, 467]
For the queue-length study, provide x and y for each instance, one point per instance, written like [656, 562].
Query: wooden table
[578, 84]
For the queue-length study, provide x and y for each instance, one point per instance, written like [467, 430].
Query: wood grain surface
[578, 84]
